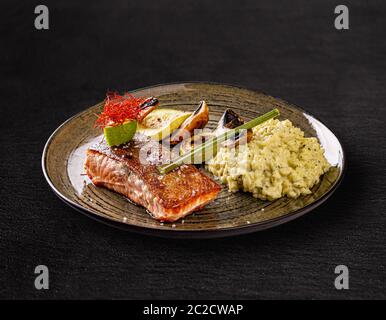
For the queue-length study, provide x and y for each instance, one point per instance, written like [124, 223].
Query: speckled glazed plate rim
[196, 233]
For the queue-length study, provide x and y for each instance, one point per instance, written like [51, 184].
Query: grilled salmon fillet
[131, 170]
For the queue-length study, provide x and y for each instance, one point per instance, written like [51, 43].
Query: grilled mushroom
[197, 120]
[147, 106]
[231, 120]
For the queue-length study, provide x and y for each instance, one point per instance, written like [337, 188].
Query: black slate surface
[289, 49]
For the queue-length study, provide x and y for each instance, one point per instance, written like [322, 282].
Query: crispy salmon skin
[131, 170]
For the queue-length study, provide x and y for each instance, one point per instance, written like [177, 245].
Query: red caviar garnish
[119, 109]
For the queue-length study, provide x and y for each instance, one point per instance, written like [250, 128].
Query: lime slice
[120, 134]
[160, 123]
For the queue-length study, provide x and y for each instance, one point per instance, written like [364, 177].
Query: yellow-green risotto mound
[278, 161]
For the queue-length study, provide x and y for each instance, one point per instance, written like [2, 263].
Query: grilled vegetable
[161, 122]
[197, 120]
[231, 120]
[146, 107]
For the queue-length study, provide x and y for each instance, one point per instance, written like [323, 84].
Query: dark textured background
[288, 49]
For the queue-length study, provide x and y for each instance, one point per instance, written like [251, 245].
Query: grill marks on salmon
[131, 170]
